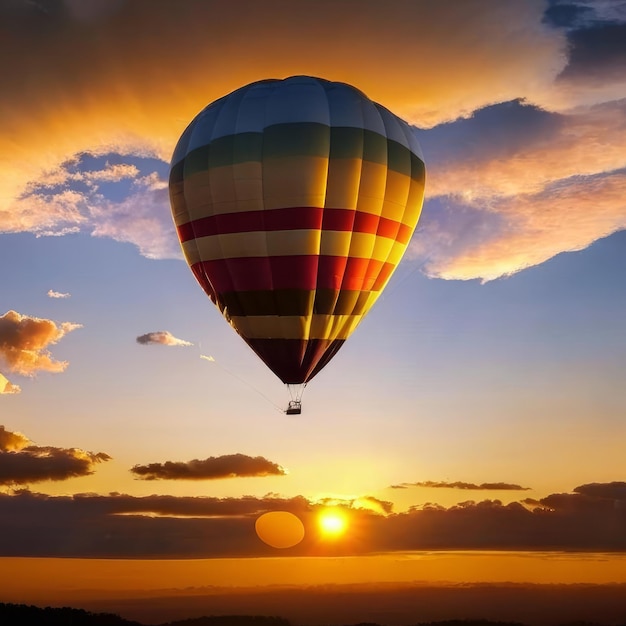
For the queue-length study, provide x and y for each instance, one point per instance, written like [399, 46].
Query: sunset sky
[480, 405]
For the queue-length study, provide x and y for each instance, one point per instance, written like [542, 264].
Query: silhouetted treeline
[21, 614]
[231, 620]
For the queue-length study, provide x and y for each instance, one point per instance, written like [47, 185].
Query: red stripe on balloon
[293, 272]
[295, 218]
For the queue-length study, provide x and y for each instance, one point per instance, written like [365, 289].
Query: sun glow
[333, 523]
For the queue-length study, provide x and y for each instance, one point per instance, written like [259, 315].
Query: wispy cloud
[211, 468]
[431, 484]
[143, 219]
[162, 337]
[24, 341]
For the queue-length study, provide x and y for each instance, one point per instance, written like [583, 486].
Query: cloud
[7, 387]
[162, 337]
[596, 67]
[142, 219]
[513, 148]
[145, 95]
[373, 504]
[576, 14]
[462, 485]
[533, 229]
[23, 463]
[124, 526]
[12, 442]
[101, 194]
[36, 464]
[44, 214]
[112, 173]
[525, 104]
[226, 466]
[24, 341]
[365, 503]
[515, 186]
[612, 491]
[57, 294]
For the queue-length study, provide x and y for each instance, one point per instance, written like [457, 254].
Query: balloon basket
[294, 407]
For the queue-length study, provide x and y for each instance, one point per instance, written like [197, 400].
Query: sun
[333, 523]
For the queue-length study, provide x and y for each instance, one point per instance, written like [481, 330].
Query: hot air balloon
[294, 201]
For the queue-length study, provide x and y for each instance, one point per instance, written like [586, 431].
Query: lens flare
[279, 529]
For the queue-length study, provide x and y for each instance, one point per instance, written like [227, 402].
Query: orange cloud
[24, 341]
[101, 81]
[538, 227]
[109, 84]
[12, 442]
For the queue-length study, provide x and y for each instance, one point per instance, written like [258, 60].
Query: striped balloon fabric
[294, 201]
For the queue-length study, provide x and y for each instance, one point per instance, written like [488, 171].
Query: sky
[479, 406]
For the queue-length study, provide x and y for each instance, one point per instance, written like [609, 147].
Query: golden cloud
[24, 341]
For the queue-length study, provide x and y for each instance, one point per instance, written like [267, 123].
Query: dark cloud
[500, 131]
[123, 526]
[461, 485]
[162, 337]
[573, 14]
[597, 54]
[34, 464]
[22, 463]
[566, 14]
[562, 522]
[614, 491]
[213, 467]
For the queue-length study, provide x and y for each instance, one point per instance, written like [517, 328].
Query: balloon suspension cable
[245, 382]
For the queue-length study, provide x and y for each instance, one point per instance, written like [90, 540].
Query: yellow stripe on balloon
[293, 243]
[342, 186]
[255, 244]
[294, 181]
[296, 327]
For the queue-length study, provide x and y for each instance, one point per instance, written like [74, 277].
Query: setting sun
[333, 523]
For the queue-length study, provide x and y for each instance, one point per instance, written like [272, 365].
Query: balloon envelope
[294, 201]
